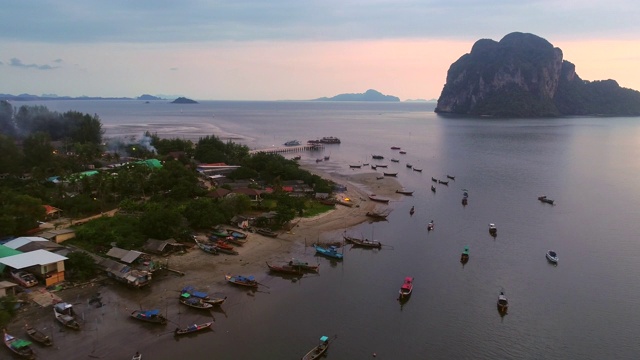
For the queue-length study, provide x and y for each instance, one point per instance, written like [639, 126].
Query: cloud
[58, 61]
[18, 63]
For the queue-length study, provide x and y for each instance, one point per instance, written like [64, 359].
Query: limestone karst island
[523, 75]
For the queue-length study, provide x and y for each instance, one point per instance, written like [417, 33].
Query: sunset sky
[291, 49]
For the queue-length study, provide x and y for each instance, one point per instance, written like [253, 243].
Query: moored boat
[395, 160]
[151, 316]
[464, 201]
[209, 249]
[503, 303]
[382, 166]
[292, 143]
[202, 295]
[395, 148]
[355, 166]
[284, 269]
[409, 166]
[194, 302]
[377, 215]
[403, 152]
[248, 281]
[413, 210]
[493, 230]
[403, 192]
[64, 313]
[193, 328]
[552, 256]
[451, 177]
[464, 257]
[430, 225]
[416, 169]
[318, 350]
[137, 356]
[406, 289]
[18, 346]
[38, 336]
[434, 179]
[390, 174]
[331, 251]
[433, 188]
[304, 266]
[378, 157]
[443, 182]
[365, 243]
[545, 199]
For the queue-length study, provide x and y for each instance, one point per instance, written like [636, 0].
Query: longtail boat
[318, 350]
[365, 243]
[65, 315]
[248, 281]
[38, 336]
[193, 328]
[202, 295]
[151, 316]
[18, 346]
[331, 252]
[194, 302]
[285, 269]
[304, 266]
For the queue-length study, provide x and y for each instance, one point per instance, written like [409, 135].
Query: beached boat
[331, 251]
[284, 269]
[503, 303]
[203, 296]
[237, 234]
[24, 278]
[464, 257]
[430, 225]
[150, 316]
[355, 166]
[304, 266]
[365, 243]
[226, 250]
[382, 165]
[136, 356]
[552, 256]
[407, 288]
[376, 215]
[395, 148]
[409, 166]
[433, 188]
[248, 281]
[403, 152]
[545, 199]
[390, 174]
[443, 182]
[38, 336]
[64, 313]
[209, 249]
[292, 143]
[378, 157]
[451, 177]
[403, 192]
[373, 197]
[413, 210]
[193, 328]
[223, 244]
[240, 241]
[434, 179]
[416, 169]
[18, 346]
[395, 160]
[266, 232]
[318, 350]
[194, 302]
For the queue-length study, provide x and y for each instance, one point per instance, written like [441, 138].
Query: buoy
[374, 355]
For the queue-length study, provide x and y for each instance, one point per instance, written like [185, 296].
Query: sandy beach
[205, 271]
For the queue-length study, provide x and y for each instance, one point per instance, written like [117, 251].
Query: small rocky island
[369, 95]
[523, 75]
[183, 100]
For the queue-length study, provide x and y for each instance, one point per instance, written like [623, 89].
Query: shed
[7, 288]
[126, 256]
[59, 235]
[162, 247]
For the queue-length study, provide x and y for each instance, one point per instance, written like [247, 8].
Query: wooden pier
[288, 149]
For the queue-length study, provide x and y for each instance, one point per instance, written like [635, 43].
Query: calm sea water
[584, 308]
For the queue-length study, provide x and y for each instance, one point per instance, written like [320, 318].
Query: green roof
[152, 163]
[5, 252]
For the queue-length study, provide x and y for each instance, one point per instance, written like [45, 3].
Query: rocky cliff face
[521, 75]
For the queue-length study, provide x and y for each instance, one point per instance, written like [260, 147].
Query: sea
[585, 307]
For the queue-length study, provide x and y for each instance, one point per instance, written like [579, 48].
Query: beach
[206, 272]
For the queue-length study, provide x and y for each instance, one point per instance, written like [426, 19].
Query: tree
[11, 158]
[18, 212]
[80, 266]
[38, 151]
[7, 124]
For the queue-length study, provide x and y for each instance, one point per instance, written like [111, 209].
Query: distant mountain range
[29, 97]
[369, 95]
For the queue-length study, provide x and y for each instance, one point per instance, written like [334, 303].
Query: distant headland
[523, 75]
[30, 97]
[369, 95]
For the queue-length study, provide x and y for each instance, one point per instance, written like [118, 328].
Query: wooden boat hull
[377, 199]
[39, 337]
[464, 258]
[267, 232]
[389, 174]
[304, 266]
[418, 170]
[408, 193]
[363, 242]
[284, 269]
[241, 281]
[193, 329]
[14, 344]
[317, 351]
[199, 304]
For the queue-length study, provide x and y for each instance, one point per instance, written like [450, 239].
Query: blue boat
[331, 252]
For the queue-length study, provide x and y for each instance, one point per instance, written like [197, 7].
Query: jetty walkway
[287, 149]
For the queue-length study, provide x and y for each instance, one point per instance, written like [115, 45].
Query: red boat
[406, 288]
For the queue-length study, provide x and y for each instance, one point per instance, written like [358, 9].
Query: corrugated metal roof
[117, 252]
[38, 257]
[18, 242]
[131, 256]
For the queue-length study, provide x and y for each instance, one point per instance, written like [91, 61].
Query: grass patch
[313, 208]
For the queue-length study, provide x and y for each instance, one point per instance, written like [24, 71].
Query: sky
[291, 49]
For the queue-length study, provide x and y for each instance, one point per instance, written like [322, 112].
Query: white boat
[65, 315]
[430, 225]
[552, 256]
[292, 143]
[493, 229]
[137, 356]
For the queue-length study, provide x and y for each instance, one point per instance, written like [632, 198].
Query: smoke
[121, 144]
